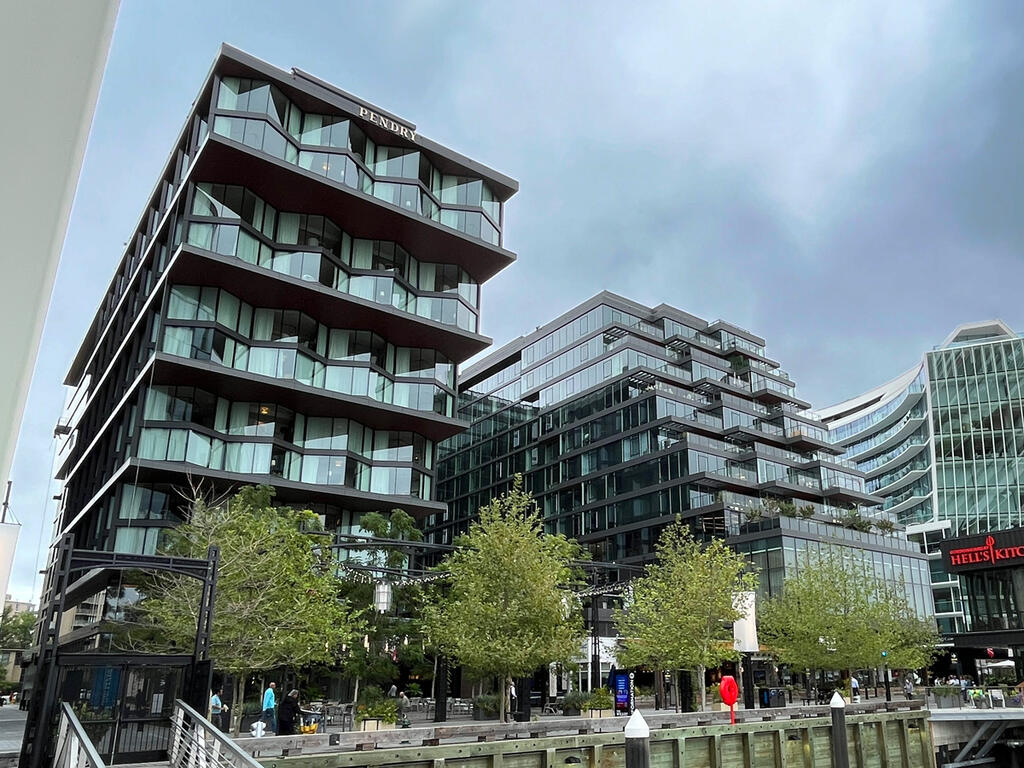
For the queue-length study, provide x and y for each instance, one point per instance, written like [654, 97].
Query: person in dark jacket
[289, 714]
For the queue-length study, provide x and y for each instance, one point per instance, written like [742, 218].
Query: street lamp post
[595, 651]
[885, 669]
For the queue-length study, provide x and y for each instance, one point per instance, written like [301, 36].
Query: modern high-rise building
[942, 444]
[290, 310]
[621, 417]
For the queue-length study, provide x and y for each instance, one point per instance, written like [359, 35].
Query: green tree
[386, 633]
[677, 616]
[277, 599]
[834, 614]
[398, 526]
[506, 608]
[16, 629]
[910, 642]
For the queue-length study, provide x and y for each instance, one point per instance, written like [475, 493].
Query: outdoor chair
[343, 713]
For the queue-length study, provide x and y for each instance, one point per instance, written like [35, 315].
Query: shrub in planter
[715, 700]
[376, 713]
[600, 703]
[946, 696]
[378, 717]
[485, 706]
[573, 703]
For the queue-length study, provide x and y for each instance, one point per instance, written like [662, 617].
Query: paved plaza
[12, 727]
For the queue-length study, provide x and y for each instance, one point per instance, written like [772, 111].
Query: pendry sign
[387, 123]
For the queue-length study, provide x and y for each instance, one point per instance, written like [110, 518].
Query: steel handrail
[223, 742]
[84, 743]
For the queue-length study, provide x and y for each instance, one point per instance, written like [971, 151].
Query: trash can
[771, 697]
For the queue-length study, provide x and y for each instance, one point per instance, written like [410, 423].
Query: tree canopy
[277, 599]
[16, 629]
[834, 614]
[679, 610]
[506, 607]
[387, 634]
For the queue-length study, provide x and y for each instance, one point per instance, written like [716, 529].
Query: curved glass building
[943, 445]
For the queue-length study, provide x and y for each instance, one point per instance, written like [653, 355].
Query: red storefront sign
[988, 553]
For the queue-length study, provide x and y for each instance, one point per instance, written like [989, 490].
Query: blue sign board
[621, 692]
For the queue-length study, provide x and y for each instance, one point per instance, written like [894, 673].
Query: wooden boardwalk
[898, 737]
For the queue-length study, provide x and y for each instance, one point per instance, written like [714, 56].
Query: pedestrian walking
[269, 703]
[218, 709]
[403, 707]
[288, 714]
[854, 688]
[393, 691]
[512, 700]
[908, 687]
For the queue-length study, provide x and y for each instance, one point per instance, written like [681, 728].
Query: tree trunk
[659, 690]
[355, 693]
[702, 688]
[433, 680]
[237, 705]
[506, 698]
[678, 692]
[502, 698]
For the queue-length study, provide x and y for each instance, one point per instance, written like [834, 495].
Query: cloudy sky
[844, 179]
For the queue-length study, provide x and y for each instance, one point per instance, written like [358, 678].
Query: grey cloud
[843, 179]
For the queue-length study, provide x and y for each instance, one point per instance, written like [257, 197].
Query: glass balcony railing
[317, 267]
[266, 458]
[284, 363]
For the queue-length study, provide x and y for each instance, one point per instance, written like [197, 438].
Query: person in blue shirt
[218, 709]
[269, 702]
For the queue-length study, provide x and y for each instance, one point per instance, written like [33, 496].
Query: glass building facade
[291, 310]
[621, 417]
[943, 445]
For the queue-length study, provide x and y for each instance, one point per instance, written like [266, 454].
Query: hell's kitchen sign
[995, 550]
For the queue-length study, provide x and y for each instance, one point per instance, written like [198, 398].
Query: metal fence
[74, 748]
[198, 743]
[972, 697]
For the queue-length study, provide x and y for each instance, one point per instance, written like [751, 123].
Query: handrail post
[177, 729]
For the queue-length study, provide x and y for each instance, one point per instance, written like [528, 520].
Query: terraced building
[290, 310]
[621, 417]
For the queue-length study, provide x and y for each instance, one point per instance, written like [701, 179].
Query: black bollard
[638, 742]
[840, 751]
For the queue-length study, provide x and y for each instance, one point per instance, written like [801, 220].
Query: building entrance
[125, 708]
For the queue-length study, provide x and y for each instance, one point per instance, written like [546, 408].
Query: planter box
[595, 713]
[483, 714]
[570, 712]
[375, 724]
[947, 702]
[717, 706]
